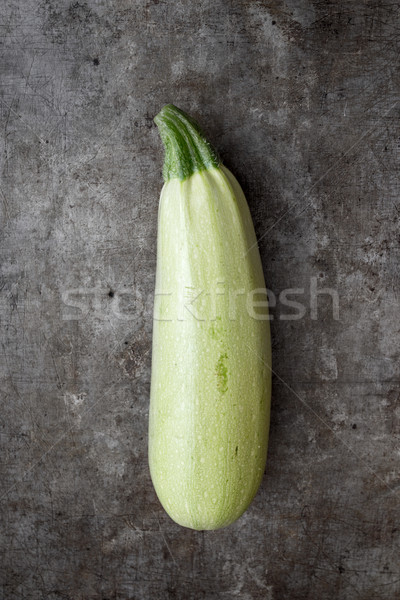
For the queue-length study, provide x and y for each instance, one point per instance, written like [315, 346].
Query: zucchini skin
[211, 376]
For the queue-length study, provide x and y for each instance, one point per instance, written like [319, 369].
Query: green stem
[186, 149]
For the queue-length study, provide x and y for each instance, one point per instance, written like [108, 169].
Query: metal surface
[302, 101]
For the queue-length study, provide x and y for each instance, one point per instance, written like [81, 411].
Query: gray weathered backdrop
[301, 99]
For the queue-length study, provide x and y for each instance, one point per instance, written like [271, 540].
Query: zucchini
[211, 356]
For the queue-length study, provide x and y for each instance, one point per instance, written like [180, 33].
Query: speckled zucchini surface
[211, 378]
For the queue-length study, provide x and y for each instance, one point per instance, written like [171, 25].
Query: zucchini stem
[186, 149]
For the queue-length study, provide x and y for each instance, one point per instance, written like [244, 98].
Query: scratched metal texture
[301, 98]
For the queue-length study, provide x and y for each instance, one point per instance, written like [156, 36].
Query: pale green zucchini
[211, 376]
